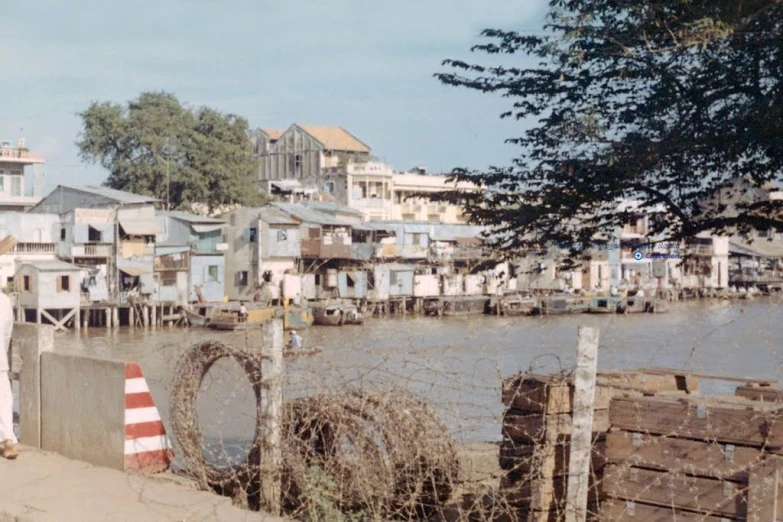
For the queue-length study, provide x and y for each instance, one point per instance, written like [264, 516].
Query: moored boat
[561, 305]
[604, 305]
[513, 304]
[336, 313]
[455, 305]
[640, 305]
[228, 318]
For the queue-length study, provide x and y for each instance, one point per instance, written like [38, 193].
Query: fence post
[31, 340]
[582, 425]
[270, 420]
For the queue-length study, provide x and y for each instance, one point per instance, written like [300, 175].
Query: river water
[456, 364]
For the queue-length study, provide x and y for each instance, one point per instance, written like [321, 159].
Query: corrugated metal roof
[117, 195]
[192, 218]
[309, 215]
[325, 206]
[335, 138]
[52, 265]
[140, 227]
[274, 216]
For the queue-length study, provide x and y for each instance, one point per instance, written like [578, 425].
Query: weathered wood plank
[553, 394]
[535, 427]
[626, 511]
[705, 459]
[703, 495]
[524, 460]
[543, 495]
[771, 393]
[736, 421]
[765, 491]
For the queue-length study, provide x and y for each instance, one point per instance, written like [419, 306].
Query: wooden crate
[764, 392]
[526, 460]
[627, 511]
[539, 495]
[726, 420]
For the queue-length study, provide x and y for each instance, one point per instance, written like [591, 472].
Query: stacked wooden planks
[535, 449]
[695, 458]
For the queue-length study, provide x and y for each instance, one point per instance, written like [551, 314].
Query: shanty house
[36, 236]
[50, 290]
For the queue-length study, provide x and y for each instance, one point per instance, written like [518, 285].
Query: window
[168, 278]
[16, 186]
[62, 234]
[212, 273]
[267, 276]
[94, 235]
[282, 235]
[242, 278]
[317, 279]
[329, 187]
[251, 235]
[63, 283]
[349, 281]
[2, 181]
[27, 284]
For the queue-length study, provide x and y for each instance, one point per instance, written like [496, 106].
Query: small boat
[639, 305]
[294, 354]
[195, 319]
[456, 305]
[227, 318]
[604, 305]
[336, 313]
[561, 305]
[514, 303]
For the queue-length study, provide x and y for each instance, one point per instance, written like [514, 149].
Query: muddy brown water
[456, 364]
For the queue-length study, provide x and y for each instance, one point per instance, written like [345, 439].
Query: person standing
[296, 341]
[6, 395]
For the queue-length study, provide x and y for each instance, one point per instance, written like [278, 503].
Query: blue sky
[368, 69]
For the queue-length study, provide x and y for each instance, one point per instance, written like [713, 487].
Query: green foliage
[322, 498]
[207, 154]
[663, 102]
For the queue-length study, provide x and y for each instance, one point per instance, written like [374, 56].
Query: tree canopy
[208, 153]
[663, 102]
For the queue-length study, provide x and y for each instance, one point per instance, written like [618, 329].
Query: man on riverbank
[6, 395]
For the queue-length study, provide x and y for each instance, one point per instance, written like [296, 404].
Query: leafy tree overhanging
[208, 153]
[663, 102]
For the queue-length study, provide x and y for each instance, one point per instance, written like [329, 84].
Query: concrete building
[13, 191]
[406, 207]
[366, 187]
[37, 236]
[87, 239]
[49, 290]
[304, 152]
[242, 273]
[190, 258]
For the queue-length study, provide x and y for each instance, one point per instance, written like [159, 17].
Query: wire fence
[404, 418]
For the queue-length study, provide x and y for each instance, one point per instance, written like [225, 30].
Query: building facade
[13, 162]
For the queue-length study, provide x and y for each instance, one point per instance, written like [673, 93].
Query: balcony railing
[34, 248]
[91, 250]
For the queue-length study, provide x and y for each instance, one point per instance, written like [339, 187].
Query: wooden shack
[51, 289]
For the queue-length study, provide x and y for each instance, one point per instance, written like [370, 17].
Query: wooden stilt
[77, 319]
[154, 310]
[115, 317]
[107, 313]
[131, 316]
[145, 310]
[38, 315]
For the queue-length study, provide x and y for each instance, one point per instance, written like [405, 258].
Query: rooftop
[335, 138]
[18, 154]
[274, 134]
[192, 218]
[52, 265]
[275, 216]
[308, 215]
[117, 195]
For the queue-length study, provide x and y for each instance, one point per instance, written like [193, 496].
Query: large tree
[155, 146]
[662, 102]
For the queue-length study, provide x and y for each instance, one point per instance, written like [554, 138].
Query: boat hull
[293, 318]
[456, 306]
[337, 314]
[561, 306]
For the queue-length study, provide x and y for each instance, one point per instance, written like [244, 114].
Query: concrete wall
[213, 289]
[83, 407]
[241, 254]
[44, 292]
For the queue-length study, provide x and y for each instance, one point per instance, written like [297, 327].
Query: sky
[343, 63]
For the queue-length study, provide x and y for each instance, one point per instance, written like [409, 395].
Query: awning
[759, 248]
[204, 228]
[140, 227]
[135, 271]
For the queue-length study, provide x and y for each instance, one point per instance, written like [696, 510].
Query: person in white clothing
[6, 395]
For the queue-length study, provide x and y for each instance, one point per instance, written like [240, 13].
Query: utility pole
[166, 153]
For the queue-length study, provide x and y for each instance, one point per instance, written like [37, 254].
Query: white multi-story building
[13, 161]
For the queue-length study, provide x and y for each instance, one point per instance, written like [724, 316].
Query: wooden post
[77, 318]
[115, 317]
[107, 313]
[582, 425]
[270, 420]
[154, 321]
[145, 314]
[131, 316]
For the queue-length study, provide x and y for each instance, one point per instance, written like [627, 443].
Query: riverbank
[44, 487]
